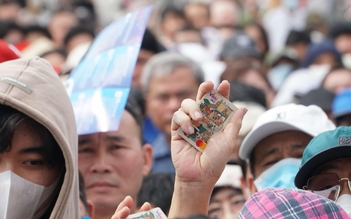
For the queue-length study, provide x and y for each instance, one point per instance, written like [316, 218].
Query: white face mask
[21, 198]
[345, 203]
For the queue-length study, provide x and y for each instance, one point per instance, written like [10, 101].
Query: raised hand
[196, 172]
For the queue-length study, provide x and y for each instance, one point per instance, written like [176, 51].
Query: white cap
[250, 118]
[230, 177]
[290, 117]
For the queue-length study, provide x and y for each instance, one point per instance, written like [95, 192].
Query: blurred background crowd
[273, 52]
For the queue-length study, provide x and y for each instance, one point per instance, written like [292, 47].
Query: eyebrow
[33, 150]
[268, 153]
[115, 138]
[298, 146]
[83, 141]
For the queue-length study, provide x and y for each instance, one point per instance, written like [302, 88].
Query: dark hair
[252, 163]
[263, 33]
[217, 189]
[298, 37]
[150, 43]
[6, 26]
[243, 167]
[243, 92]
[59, 51]
[39, 29]
[74, 31]
[157, 188]
[82, 194]
[11, 118]
[136, 107]
[174, 8]
[339, 28]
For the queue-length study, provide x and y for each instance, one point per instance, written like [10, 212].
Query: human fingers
[126, 203]
[224, 89]
[232, 129]
[183, 117]
[204, 88]
[122, 213]
[145, 207]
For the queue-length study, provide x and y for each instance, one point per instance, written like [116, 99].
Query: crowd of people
[285, 153]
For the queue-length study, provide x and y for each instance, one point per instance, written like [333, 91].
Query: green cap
[324, 147]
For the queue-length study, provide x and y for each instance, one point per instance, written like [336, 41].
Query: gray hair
[166, 62]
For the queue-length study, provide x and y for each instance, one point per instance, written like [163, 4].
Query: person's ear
[245, 190]
[91, 208]
[251, 185]
[148, 158]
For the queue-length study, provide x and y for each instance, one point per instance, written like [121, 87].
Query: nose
[101, 164]
[227, 211]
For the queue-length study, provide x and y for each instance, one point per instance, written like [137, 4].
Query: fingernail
[197, 115]
[191, 129]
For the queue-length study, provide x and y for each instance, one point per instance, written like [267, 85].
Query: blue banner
[99, 86]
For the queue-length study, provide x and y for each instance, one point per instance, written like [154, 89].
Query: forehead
[335, 166]
[224, 193]
[128, 130]
[282, 138]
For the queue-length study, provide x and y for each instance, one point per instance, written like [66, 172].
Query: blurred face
[254, 33]
[172, 23]
[26, 157]
[143, 57]
[277, 147]
[226, 203]
[343, 43]
[55, 59]
[223, 13]
[59, 26]
[166, 94]
[337, 80]
[326, 59]
[198, 15]
[328, 175]
[113, 164]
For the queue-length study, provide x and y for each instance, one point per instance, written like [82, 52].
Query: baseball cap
[325, 147]
[319, 97]
[279, 203]
[230, 177]
[239, 45]
[290, 117]
[342, 103]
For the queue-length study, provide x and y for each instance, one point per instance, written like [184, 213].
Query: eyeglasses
[327, 185]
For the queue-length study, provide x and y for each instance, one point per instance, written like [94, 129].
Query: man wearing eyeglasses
[326, 166]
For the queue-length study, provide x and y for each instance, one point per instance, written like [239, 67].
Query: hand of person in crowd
[123, 209]
[196, 172]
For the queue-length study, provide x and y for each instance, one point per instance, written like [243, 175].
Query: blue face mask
[278, 74]
[280, 175]
[291, 4]
[85, 217]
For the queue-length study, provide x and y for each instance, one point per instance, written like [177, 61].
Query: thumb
[233, 127]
